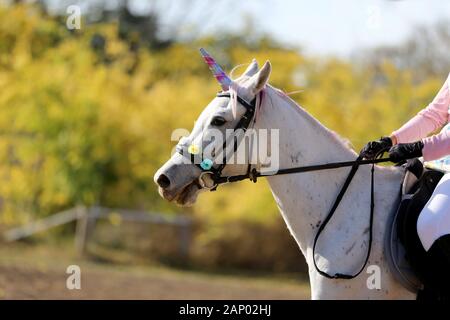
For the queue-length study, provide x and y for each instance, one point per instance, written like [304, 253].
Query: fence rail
[86, 218]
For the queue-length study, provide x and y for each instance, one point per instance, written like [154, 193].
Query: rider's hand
[373, 148]
[404, 151]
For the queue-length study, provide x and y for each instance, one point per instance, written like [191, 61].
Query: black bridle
[243, 124]
[253, 175]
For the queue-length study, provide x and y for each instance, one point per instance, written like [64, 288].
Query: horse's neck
[302, 142]
[305, 199]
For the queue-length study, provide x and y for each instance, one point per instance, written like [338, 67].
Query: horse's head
[202, 155]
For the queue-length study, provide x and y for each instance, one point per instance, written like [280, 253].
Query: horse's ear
[259, 80]
[251, 69]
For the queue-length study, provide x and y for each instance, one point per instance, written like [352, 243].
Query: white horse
[304, 199]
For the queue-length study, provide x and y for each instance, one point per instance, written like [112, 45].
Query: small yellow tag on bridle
[193, 149]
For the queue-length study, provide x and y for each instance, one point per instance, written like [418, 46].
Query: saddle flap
[405, 249]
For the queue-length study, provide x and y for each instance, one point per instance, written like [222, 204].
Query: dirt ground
[39, 273]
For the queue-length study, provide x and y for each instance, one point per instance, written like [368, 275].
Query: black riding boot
[437, 277]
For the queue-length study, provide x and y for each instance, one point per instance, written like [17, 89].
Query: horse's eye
[218, 121]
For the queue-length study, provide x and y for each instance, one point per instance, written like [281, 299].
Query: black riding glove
[373, 148]
[404, 151]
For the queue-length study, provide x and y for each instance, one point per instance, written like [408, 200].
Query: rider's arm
[433, 117]
[436, 146]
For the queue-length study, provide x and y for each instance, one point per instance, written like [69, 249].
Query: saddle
[408, 259]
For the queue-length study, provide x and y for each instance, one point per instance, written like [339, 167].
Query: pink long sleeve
[436, 146]
[433, 117]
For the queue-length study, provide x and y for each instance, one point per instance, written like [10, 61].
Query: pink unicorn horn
[217, 71]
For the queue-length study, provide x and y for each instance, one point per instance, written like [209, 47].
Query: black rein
[253, 175]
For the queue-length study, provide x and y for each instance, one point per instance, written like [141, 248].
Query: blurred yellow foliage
[79, 127]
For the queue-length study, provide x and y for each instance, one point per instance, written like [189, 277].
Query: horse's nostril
[163, 181]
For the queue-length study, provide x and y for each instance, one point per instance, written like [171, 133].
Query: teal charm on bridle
[206, 164]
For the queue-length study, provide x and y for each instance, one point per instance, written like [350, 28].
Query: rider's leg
[433, 228]
[437, 278]
[434, 220]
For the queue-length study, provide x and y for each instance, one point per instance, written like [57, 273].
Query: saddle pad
[396, 253]
[442, 164]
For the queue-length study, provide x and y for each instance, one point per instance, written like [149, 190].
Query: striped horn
[217, 71]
